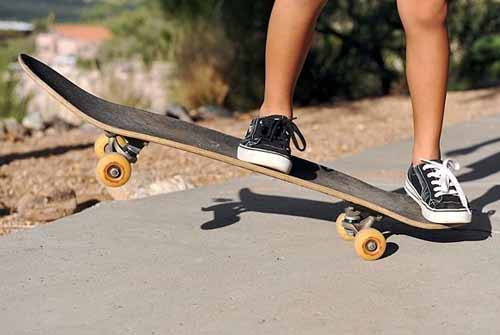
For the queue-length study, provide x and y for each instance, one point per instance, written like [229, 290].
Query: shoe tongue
[275, 117]
[422, 163]
[440, 161]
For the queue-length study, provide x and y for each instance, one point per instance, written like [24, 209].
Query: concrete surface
[257, 256]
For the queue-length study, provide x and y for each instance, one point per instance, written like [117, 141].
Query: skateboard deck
[145, 126]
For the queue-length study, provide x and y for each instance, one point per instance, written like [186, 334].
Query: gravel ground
[67, 160]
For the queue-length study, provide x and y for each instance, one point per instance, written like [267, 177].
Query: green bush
[142, 32]
[11, 104]
[203, 65]
[359, 49]
[481, 66]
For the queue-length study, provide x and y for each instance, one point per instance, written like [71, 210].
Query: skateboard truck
[129, 147]
[116, 153]
[354, 222]
[357, 224]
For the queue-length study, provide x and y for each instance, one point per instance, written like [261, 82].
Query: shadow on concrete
[86, 205]
[479, 229]
[228, 211]
[60, 150]
[482, 168]
[390, 249]
[472, 148]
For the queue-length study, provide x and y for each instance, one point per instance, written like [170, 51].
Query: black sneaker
[435, 188]
[267, 142]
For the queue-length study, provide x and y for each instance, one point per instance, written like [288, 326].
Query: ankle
[266, 110]
[417, 160]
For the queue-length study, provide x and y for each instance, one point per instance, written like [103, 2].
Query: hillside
[27, 10]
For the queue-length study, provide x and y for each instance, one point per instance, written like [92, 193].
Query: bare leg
[427, 62]
[290, 34]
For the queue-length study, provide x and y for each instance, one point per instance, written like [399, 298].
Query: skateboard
[127, 130]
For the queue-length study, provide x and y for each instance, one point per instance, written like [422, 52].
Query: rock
[47, 206]
[33, 121]
[50, 131]
[69, 118]
[57, 127]
[87, 127]
[174, 184]
[178, 112]
[50, 111]
[37, 134]
[61, 125]
[42, 104]
[57, 113]
[361, 127]
[14, 129]
[142, 187]
[212, 111]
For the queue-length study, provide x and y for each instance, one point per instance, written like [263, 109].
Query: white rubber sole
[443, 217]
[264, 158]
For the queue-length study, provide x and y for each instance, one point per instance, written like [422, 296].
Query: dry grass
[203, 65]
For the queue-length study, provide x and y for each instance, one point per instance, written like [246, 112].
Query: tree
[475, 36]
[139, 30]
[359, 49]
[11, 104]
[241, 26]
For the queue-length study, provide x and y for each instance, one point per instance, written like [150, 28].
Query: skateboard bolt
[114, 172]
[371, 246]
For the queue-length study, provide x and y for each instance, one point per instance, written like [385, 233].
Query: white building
[15, 28]
[64, 43]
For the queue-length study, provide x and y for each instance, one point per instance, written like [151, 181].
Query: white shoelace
[445, 179]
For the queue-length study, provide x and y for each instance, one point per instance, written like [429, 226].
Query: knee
[423, 13]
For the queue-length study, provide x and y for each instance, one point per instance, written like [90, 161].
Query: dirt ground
[67, 159]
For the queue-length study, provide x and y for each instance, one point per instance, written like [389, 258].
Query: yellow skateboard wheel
[122, 142]
[113, 170]
[370, 244]
[339, 224]
[100, 145]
